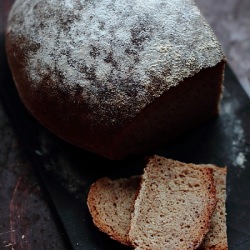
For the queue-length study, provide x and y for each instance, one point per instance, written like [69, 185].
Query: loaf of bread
[110, 204]
[115, 77]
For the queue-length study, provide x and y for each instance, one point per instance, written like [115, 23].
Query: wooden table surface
[26, 221]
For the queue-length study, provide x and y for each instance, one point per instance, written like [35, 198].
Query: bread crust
[216, 238]
[86, 74]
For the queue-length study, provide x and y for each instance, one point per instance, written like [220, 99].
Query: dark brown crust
[68, 117]
[222, 243]
[68, 110]
[180, 109]
[211, 208]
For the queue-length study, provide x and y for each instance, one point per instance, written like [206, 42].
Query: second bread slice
[111, 203]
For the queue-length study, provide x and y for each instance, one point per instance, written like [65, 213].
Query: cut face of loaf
[115, 77]
[215, 239]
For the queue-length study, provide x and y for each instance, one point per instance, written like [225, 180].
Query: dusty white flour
[114, 46]
[233, 124]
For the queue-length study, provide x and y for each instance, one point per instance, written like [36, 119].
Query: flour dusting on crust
[120, 54]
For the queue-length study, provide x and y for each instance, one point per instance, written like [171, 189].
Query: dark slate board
[66, 172]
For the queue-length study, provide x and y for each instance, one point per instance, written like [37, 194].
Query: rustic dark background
[26, 222]
[230, 20]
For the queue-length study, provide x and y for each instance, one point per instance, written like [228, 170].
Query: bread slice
[174, 205]
[116, 221]
[216, 238]
[111, 203]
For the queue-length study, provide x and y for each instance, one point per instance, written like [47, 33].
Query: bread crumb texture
[174, 206]
[120, 55]
[111, 203]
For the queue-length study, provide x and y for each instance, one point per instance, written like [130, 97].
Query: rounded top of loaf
[119, 54]
[106, 60]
